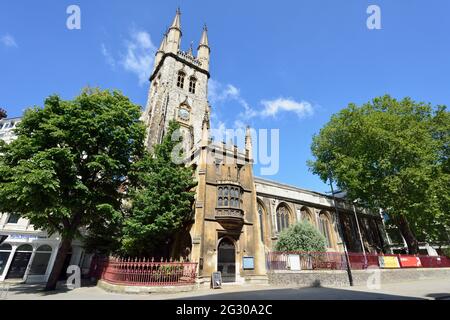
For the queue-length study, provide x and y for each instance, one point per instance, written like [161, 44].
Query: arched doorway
[226, 260]
[20, 262]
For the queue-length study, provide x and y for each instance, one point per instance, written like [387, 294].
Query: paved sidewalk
[420, 289]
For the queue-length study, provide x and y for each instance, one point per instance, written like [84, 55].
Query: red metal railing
[359, 261]
[306, 261]
[435, 262]
[146, 272]
[337, 261]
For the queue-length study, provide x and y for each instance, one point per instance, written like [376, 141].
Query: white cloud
[273, 107]
[139, 57]
[108, 56]
[220, 93]
[8, 41]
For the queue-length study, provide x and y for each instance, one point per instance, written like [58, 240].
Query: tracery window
[325, 229]
[282, 218]
[306, 215]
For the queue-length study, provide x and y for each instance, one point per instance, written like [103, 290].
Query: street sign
[248, 263]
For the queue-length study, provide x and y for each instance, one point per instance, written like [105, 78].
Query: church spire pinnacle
[174, 34]
[203, 49]
[176, 24]
[204, 39]
[248, 142]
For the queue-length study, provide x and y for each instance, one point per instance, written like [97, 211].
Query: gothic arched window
[192, 84]
[180, 81]
[282, 218]
[261, 220]
[325, 228]
[306, 215]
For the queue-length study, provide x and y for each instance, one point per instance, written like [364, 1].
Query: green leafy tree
[161, 200]
[301, 236]
[392, 155]
[65, 170]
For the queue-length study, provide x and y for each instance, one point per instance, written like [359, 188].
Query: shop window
[5, 252]
[41, 260]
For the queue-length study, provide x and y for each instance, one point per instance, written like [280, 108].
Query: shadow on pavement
[439, 296]
[38, 289]
[311, 293]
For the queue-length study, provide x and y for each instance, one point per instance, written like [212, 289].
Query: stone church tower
[179, 87]
[225, 234]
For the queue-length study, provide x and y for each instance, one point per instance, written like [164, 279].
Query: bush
[301, 237]
[446, 252]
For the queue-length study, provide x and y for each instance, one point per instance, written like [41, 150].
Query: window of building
[282, 218]
[40, 261]
[180, 81]
[192, 84]
[229, 196]
[261, 220]
[325, 229]
[306, 215]
[13, 218]
[5, 252]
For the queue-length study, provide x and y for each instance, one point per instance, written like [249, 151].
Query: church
[238, 216]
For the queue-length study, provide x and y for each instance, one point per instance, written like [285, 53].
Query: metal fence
[145, 272]
[296, 260]
[435, 262]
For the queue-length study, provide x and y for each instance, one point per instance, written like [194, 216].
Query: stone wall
[360, 277]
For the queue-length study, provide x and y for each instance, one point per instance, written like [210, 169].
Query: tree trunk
[58, 265]
[411, 241]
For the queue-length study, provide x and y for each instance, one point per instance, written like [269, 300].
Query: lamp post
[349, 270]
[360, 235]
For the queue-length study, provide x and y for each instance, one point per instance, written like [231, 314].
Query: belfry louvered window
[192, 84]
[180, 81]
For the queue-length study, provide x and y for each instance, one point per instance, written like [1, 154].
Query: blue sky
[304, 59]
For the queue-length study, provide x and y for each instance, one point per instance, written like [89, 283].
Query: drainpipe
[349, 270]
[360, 235]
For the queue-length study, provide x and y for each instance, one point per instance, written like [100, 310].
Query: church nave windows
[180, 80]
[283, 219]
